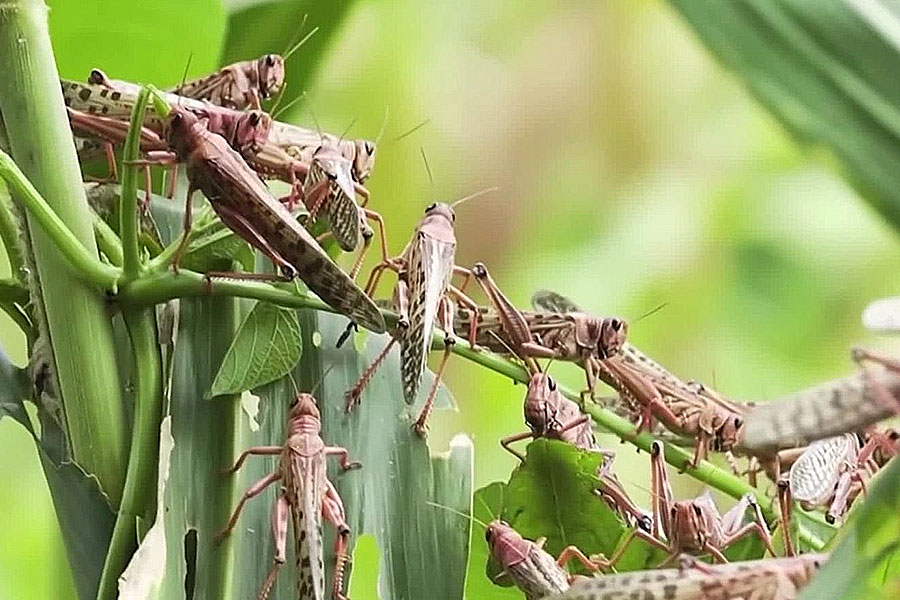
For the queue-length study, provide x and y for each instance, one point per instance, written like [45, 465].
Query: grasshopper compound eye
[551, 384]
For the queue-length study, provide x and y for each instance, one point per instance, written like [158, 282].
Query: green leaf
[272, 26]
[827, 70]
[388, 498]
[121, 38]
[866, 563]
[266, 347]
[552, 495]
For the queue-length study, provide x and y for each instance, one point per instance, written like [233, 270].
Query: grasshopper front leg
[255, 490]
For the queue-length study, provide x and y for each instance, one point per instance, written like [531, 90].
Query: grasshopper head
[252, 130]
[364, 160]
[541, 402]
[336, 168]
[728, 434]
[271, 74]
[613, 333]
[506, 545]
[439, 210]
[304, 405]
[180, 126]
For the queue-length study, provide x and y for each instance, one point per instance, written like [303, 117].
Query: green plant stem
[107, 240]
[9, 234]
[21, 319]
[163, 287]
[139, 482]
[63, 238]
[128, 212]
[13, 291]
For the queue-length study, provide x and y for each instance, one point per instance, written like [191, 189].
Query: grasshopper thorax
[506, 545]
[438, 222]
[270, 70]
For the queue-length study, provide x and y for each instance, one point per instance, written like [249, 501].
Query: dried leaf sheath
[429, 268]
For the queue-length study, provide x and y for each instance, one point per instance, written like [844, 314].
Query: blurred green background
[633, 171]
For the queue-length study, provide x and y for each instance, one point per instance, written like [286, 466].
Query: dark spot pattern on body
[116, 96]
[669, 591]
[84, 95]
[304, 564]
[104, 92]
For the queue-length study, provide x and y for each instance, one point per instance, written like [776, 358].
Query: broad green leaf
[271, 27]
[827, 69]
[389, 497]
[552, 495]
[267, 347]
[149, 42]
[866, 563]
[220, 247]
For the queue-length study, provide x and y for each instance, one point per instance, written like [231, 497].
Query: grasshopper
[769, 579]
[423, 296]
[599, 345]
[322, 175]
[240, 85]
[245, 205]
[695, 525]
[308, 495]
[825, 410]
[533, 570]
[832, 472]
[575, 336]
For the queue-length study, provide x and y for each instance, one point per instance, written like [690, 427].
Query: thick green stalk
[128, 214]
[139, 483]
[77, 327]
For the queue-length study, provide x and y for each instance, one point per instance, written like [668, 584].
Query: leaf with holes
[266, 348]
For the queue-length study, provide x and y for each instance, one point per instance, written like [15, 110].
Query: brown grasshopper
[825, 410]
[308, 495]
[576, 336]
[769, 579]
[695, 525]
[423, 296]
[245, 205]
[240, 85]
[598, 344]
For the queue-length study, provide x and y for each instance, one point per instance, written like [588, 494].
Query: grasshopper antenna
[652, 311]
[412, 131]
[427, 168]
[459, 513]
[321, 380]
[346, 131]
[305, 39]
[384, 122]
[294, 384]
[475, 195]
[284, 108]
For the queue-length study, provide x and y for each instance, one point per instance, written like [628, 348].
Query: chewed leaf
[266, 347]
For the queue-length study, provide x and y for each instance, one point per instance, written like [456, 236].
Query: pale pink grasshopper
[831, 473]
[423, 297]
[307, 495]
[768, 579]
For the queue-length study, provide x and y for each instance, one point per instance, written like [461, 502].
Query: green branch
[128, 211]
[87, 266]
[163, 287]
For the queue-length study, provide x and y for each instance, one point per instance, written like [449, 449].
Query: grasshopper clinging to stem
[307, 497]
